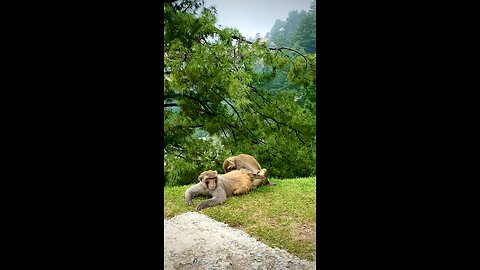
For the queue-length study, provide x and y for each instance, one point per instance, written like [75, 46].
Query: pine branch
[275, 49]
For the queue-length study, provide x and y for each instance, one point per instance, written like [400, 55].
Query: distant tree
[283, 33]
[293, 20]
[276, 34]
[267, 35]
[306, 35]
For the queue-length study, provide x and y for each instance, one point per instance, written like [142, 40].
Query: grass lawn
[281, 216]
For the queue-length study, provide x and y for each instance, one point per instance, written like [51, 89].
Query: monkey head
[229, 164]
[209, 179]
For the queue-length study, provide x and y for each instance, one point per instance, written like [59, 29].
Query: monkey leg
[256, 183]
[264, 173]
[257, 179]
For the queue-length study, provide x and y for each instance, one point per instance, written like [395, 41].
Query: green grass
[281, 216]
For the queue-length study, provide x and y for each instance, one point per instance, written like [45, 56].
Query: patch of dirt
[305, 232]
[195, 241]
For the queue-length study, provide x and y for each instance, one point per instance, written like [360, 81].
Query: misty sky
[254, 16]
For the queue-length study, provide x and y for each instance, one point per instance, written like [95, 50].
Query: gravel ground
[195, 241]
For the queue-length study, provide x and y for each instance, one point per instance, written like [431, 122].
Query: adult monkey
[249, 163]
[221, 186]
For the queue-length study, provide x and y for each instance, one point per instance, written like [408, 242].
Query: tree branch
[258, 93]
[185, 9]
[233, 133]
[296, 133]
[254, 139]
[241, 121]
[224, 133]
[235, 110]
[205, 108]
[280, 123]
[275, 49]
[290, 49]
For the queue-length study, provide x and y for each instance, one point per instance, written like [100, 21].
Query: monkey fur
[221, 186]
[241, 161]
[247, 162]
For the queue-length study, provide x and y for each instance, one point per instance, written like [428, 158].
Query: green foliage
[305, 76]
[247, 97]
[299, 33]
[194, 155]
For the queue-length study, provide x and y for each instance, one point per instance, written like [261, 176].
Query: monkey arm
[193, 191]
[219, 196]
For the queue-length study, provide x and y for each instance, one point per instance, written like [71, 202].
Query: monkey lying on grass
[247, 162]
[221, 186]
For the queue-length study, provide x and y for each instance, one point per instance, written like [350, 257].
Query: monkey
[241, 161]
[221, 186]
[249, 163]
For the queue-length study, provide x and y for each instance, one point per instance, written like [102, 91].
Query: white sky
[254, 16]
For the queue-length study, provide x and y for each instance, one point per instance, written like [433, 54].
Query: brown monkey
[221, 186]
[247, 162]
[244, 161]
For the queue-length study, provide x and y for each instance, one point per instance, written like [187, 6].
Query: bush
[203, 154]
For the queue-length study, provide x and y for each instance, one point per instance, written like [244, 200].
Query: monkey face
[211, 183]
[209, 178]
[231, 165]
